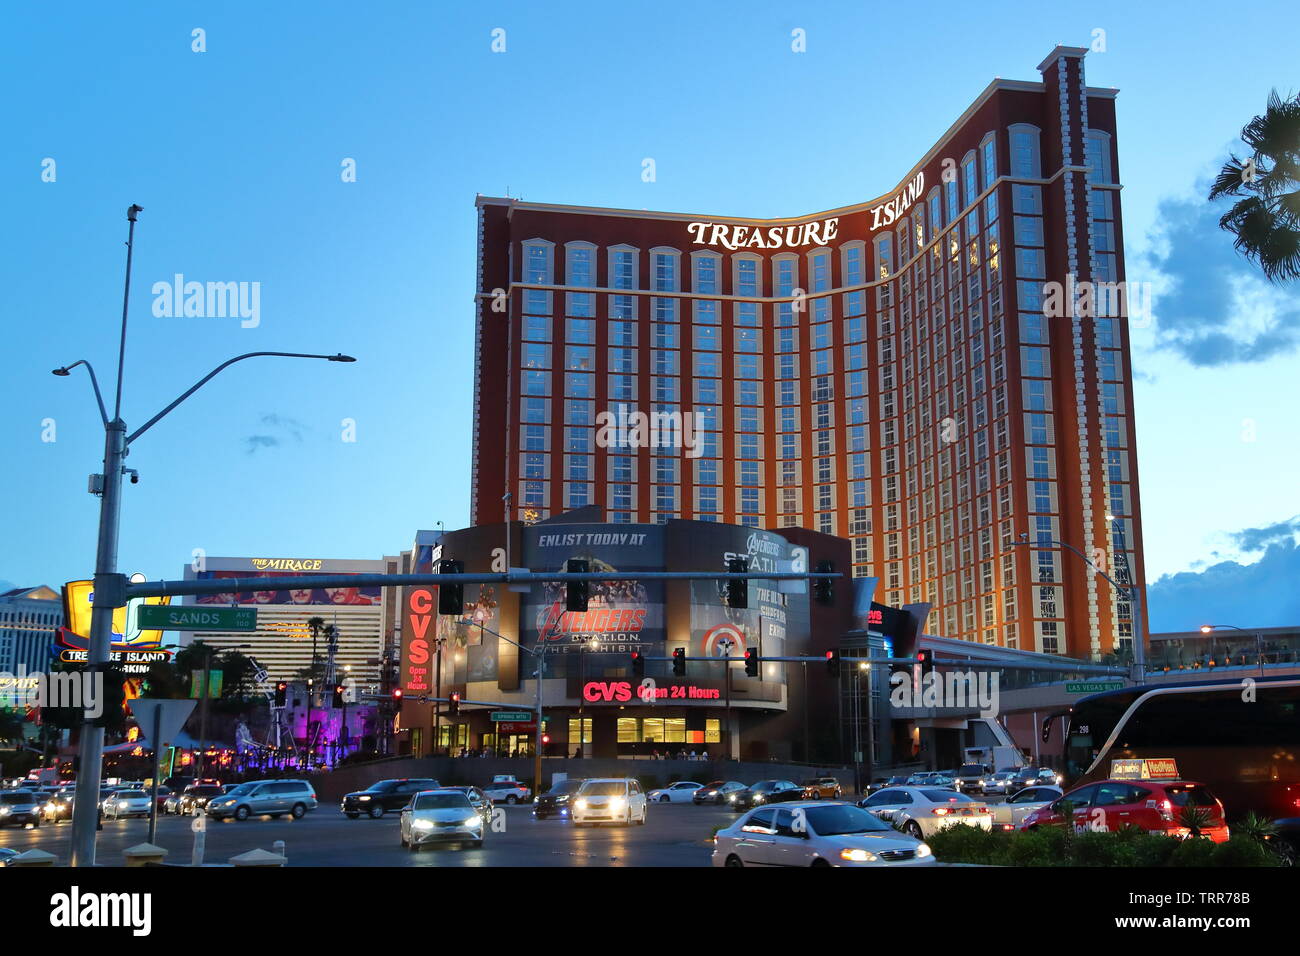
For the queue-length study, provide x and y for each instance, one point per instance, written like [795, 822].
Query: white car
[1008, 814]
[128, 803]
[609, 800]
[681, 792]
[441, 816]
[507, 791]
[817, 833]
[924, 811]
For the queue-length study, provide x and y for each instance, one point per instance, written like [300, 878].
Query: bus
[1240, 737]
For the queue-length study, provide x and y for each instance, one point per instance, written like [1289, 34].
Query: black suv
[555, 802]
[385, 796]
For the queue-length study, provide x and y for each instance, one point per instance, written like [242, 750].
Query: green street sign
[159, 617]
[510, 716]
[1092, 686]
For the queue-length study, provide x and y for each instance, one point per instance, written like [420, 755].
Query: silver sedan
[128, 803]
[816, 833]
[1008, 814]
[441, 816]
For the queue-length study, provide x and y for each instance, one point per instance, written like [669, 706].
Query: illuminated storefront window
[585, 723]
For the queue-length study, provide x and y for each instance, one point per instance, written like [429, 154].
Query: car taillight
[1166, 809]
[940, 811]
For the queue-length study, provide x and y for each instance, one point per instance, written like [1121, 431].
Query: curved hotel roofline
[1028, 86]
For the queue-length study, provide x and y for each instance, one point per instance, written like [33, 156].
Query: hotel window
[748, 340]
[706, 471]
[535, 411]
[746, 279]
[537, 328]
[884, 258]
[785, 274]
[1112, 398]
[854, 262]
[749, 473]
[622, 387]
[622, 360]
[968, 180]
[1040, 463]
[622, 267]
[1097, 150]
[746, 366]
[706, 313]
[622, 468]
[581, 331]
[1029, 230]
[1033, 329]
[855, 303]
[707, 364]
[664, 336]
[1039, 430]
[1033, 362]
[579, 270]
[1027, 200]
[579, 385]
[577, 440]
[820, 263]
[663, 310]
[988, 155]
[749, 501]
[579, 358]
[787, 340]
[1024, 151]
[534, 493]
[536, 438]
[534, 466]
[1029, 263]
[950, 199]
[708, 338]
[706, 265]
[663, 264]
[708, 499]
[579, 412]
[536, 356]
[536, 383]
[663, 362]
[622, 333]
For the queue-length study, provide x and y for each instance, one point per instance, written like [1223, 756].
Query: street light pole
[110, 586]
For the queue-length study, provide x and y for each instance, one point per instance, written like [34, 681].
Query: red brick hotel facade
[929, 373]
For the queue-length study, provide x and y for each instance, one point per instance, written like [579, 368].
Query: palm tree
[1266, 220]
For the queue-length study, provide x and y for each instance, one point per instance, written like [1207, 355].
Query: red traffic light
[546, 738]
[830, 655]
[397, 693]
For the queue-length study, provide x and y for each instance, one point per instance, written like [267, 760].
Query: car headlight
[616, 803]
[423, 824]
[5, 809]
[562, 798]
[731, 797]
[363, 798]
[758, 798]
[474, 821]
[858, 856]
[923, 850]
[581, 804]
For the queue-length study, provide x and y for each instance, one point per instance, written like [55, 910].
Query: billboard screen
[337, 597]
[622, 615]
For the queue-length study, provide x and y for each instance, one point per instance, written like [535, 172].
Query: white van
[609, 800]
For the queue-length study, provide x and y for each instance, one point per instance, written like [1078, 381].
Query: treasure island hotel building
[920, 373]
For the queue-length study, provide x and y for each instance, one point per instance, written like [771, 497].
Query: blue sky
[236, 152]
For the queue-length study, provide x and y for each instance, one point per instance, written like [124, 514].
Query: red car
[1154, 805]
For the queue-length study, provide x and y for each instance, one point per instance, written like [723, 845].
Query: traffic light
[751, 662]
[546, 739]
[338, 696]
[737, 589]
[576, 592]
[112, 716]
[453, 704]
[679, 662]
[451, 597]
[397, 694]
[833, 662]
[823, 589]
[281, 691]
[926, 659]
[638, 664]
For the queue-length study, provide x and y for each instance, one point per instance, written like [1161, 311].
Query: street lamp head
[341, 358]
[1206, 628]
[61, 372]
